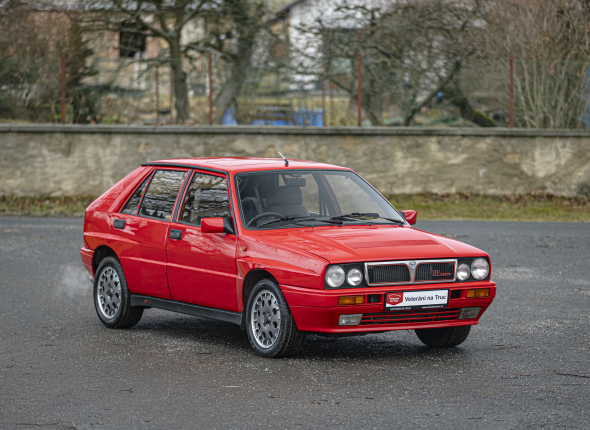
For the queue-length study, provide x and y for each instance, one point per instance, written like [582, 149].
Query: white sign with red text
[430, 299]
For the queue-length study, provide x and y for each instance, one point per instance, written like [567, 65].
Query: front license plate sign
[406, 300]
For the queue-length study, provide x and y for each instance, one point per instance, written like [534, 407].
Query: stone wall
[68, 160]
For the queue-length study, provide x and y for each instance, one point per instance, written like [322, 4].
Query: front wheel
[271, 329]
[444, 337]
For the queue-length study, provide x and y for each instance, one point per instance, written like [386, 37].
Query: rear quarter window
[133, 202]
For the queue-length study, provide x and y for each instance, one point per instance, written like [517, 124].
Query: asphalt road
[525, 366]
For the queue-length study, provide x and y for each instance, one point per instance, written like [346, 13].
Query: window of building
[131, 40]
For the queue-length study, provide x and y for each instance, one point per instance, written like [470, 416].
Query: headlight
[463, 272]
[335, 276]
[354, 277]
[480, 269]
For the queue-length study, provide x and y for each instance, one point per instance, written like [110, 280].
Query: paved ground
[520, 368]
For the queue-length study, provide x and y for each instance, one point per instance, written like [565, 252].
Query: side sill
[186, 308]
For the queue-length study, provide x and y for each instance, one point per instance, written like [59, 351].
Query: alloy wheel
[266, 319]
[108, 293]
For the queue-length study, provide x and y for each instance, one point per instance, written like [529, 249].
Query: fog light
[351, 300]
[354, 319]
[480, 292]
[468, 313]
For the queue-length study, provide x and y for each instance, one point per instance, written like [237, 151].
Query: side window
[207, 197]
[133, 202]
[160, 196]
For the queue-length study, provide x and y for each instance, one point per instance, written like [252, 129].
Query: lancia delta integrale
[280, 248]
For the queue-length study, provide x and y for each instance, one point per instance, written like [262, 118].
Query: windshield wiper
[287, 218]
[357, 215]
[302, 218]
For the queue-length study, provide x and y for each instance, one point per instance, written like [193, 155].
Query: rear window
[160, 196]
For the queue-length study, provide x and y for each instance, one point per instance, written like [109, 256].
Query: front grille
[435, 272]
[388, 274]
[410, 317]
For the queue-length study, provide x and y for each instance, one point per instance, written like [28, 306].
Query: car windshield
[300, 198]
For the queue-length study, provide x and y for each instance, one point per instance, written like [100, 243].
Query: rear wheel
[271, 329]
[112, 298]
[444, 337]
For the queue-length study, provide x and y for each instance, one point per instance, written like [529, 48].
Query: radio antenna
[286, 161]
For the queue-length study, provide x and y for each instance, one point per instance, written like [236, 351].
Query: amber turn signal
[351, 300]
[480, 292]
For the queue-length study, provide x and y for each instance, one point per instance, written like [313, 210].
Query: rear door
[202, 266]
[143, 229]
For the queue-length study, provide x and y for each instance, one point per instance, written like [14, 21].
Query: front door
[202, 266]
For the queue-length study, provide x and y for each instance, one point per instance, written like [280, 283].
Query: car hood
[369, 243]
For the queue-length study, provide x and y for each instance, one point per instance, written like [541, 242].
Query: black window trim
[153, 173]
[195, 170]
[180, 197]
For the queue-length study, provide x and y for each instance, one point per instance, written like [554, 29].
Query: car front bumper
[318, 310]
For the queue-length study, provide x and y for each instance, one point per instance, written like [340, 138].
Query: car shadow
[218, 335]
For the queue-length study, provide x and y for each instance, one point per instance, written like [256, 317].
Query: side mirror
[411, 216]
[217, 225]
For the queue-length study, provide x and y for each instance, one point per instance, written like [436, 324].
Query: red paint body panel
[325, 320]
[208, 267]
[297, 296]
[202, 268]
[212, 225]
[86, 257]
[350, 243]
[141, 248]
[318, 311]
[411, 217]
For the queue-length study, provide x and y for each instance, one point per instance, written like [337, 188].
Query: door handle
[175, 234]
[119, 223]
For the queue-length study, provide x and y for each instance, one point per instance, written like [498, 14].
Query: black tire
[445, 337]
[288, 340]
[115, 316]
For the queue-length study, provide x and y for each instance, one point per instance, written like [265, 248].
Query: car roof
[246, 164]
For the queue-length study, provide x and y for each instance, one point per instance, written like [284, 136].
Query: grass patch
[45, 206]
[495, 208]
[429, 206]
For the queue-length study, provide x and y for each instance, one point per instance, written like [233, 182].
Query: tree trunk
[233, 85]
[180, 88]
[468, 112]
[409, 116]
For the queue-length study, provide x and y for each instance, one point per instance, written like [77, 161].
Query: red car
[281, 248]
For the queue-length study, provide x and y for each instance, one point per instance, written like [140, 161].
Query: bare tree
[228, 28]
[32, 36]
[550, 41]
[411, 49]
